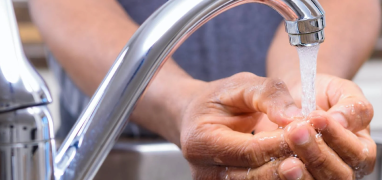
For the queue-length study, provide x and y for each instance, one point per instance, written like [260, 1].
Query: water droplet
[272, 159]
[352, 110]
[227, 174]
[276, 174]
[249, 170]
[280, 127]
[318, 135]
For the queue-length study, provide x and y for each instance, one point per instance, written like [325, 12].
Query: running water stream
[308, 68]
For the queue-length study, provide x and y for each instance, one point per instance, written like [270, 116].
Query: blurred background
[369, 77]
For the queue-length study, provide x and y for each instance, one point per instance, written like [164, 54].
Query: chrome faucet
[27, 143]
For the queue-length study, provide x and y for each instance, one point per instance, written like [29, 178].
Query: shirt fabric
[235, 41]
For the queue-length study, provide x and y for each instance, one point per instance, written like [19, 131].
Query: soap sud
[273, 159]
[308, 69]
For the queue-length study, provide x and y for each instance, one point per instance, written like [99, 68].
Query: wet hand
[337, 153]
[216, 129]
[344, 120]
[342, 99]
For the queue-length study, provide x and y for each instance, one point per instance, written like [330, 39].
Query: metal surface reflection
[27, 147]
[20, 84]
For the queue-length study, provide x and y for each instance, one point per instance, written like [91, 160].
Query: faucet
[27, 144]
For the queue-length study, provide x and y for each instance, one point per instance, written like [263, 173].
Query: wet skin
[216, 131]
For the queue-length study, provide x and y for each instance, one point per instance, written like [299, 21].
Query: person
[212, 93]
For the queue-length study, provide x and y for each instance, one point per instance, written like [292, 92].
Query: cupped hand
[334, 152]
[216, 129]
[347, 148]
[341, 98]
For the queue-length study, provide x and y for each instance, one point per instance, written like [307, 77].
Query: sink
[160, 160]
[143, 160]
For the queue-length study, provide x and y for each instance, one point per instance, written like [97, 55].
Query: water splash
[308, 69]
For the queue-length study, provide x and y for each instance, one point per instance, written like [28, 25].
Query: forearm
[351, 31]
[87, 36]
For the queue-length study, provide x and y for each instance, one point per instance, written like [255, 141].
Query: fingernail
[300, 135]
[319, 122]
[292, 111]
[291, 171]
[341, 119]
[293, 174]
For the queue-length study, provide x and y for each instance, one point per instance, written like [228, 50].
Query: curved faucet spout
[94, 134]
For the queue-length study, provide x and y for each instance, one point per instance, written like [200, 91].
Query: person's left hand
[337, 153]
[350, 138]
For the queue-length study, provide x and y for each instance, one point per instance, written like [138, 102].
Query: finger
[290, 169]
[250, 93]
[293, 169]
[231, 148]
[359, 152]
[348, 105]
[321, 161]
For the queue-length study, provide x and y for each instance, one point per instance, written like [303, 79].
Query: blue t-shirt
[235, 41]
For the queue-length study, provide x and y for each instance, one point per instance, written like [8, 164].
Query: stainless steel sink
[160, 160]
[144, 160]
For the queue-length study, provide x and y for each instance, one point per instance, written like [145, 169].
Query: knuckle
[245, 75]
[317, 162]
[252, 154]
[369, 111]
[366, 111]
[273, 87]
[248, 154]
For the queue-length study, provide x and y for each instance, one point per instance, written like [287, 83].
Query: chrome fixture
[100, 124]
[27, 145]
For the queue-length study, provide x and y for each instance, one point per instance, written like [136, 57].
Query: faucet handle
[20, 84]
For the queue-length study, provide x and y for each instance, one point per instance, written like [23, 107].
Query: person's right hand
[216, 129]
